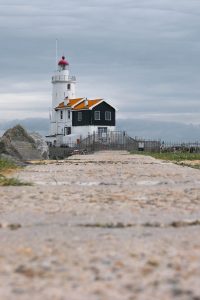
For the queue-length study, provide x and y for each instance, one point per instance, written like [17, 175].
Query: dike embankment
[100, 227]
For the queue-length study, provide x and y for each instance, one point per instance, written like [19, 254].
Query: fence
[113, 140]
[192, 147]
[117, 140]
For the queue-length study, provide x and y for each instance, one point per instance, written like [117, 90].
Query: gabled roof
[71, 103]
[80, 104]
[87, 104]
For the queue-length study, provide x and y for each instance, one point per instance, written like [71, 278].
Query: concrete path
[108, 226]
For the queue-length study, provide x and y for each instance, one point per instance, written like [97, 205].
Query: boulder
[41, 144]
[17, 143]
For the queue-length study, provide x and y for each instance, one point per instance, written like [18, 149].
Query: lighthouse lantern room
[63, 83]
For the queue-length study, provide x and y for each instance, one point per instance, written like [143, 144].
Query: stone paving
[106, 226]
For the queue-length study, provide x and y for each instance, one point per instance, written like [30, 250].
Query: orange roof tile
[74, 101]
[82, 105]
[70, 103]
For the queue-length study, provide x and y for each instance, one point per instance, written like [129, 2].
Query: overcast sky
[141, 55]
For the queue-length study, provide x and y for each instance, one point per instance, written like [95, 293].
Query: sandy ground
[106, 226]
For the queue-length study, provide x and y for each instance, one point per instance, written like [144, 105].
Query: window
[107, 115]
[68, 113]
[61, 114]
[68, 86]
[79, 116]
[97, 115]
[67, 130]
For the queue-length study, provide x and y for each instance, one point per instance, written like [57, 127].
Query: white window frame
[108, 115]
[80, 116]
[97, 115]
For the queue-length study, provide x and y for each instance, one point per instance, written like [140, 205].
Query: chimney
[66, 101]
[86, 102]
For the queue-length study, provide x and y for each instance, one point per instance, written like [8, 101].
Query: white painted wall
[85, 130]
[78, 132]
[60, 81]
[82, 132]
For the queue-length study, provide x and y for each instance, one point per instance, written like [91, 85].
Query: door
[102, 132]
[67, 131]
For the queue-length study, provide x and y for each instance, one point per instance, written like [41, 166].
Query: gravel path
[108, 226]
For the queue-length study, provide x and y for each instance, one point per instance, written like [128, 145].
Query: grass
[5, 181]
[6, 166]
[184, 159]
[172, 156]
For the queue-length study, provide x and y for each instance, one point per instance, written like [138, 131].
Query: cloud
[142, 55]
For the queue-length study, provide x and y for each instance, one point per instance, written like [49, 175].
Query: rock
[41, 144]
[20, 145]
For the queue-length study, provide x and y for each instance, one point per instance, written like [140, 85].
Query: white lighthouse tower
[63, 88]
[63, 83]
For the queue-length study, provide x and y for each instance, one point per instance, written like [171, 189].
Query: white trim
[91, 107]
[80, 116]
[82, 99]
[69, 107]
[99, 115]
[110, 115]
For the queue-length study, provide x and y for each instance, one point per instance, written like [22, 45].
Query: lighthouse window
[67, 131]
[107, 115]
[97, 115]
[79, 116]
[61, 114]
[68, 86]
[68, 114]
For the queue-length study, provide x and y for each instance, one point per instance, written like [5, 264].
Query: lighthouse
[73, 119]
[63, 87]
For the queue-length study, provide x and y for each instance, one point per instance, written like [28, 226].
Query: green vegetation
[5, 166]
[172, 156]
[4, 181]
[184, 159]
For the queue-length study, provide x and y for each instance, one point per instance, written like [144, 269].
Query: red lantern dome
[63, 62]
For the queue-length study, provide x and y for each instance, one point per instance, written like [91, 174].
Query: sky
[142, 56]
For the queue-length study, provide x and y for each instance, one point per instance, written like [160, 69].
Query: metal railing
[63, 78]
[117, 140]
